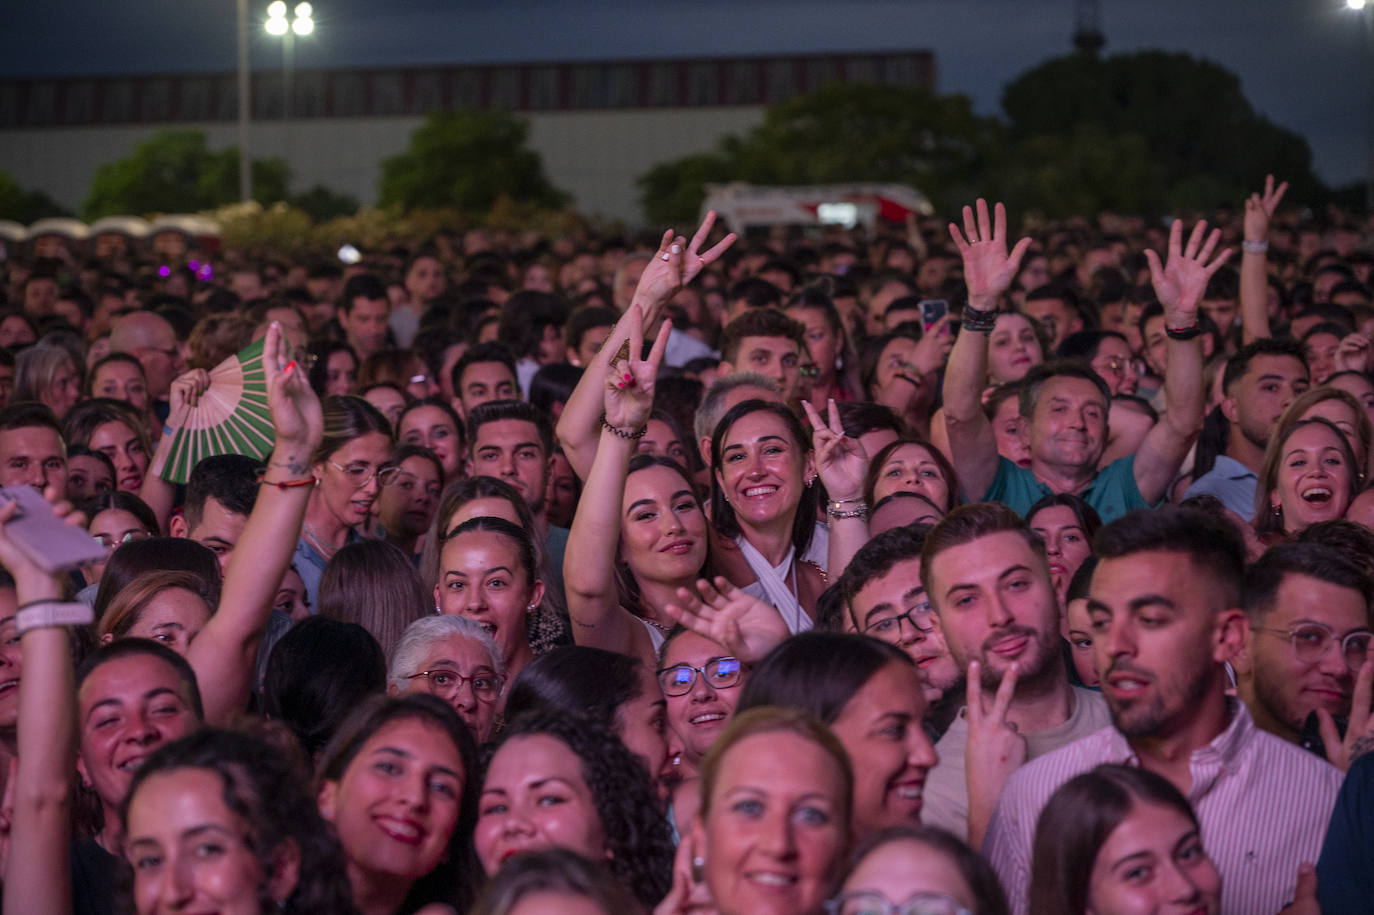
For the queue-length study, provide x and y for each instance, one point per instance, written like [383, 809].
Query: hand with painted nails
[629, 389]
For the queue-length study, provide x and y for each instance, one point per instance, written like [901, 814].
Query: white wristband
[43, 614]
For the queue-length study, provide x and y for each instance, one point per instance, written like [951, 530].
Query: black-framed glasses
[486, 685]
[889, 628]
[867, 902]
[359, 475]
[1312, 640]
[720, 673]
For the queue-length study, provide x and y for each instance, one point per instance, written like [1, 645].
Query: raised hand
[1359, 731]
[187, 388]
[1181, 280]
[995, 748]
[629, 389]
[1353, 355]
[933, 349]
[743, 625]
[1259, 209]
[677, 262]
[988, 268]
[296, 413]
[840, 461]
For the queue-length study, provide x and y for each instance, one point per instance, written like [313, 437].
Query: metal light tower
[1367, 13]
[1087, 28]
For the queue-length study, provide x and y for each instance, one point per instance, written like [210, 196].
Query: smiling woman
[556, 780]
[398, 781]
[774, 820]
[222, 818]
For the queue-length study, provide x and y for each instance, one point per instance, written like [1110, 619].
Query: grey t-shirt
[946, 792]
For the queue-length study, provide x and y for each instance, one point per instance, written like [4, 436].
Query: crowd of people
[921, 570]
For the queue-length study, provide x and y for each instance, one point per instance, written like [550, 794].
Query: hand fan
[231, 417]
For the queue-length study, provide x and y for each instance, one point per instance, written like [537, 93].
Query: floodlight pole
[245, 105]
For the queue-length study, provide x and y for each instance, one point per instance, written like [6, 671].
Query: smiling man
[1164, 606]
[1309, 633]
[987, 578]
[1065, 404]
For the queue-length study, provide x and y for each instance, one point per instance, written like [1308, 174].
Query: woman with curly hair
[221, 819]
[399, 783]
[557, 781]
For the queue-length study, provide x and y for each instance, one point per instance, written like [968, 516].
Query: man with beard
[1259, 383]
[989, 582]
[1164, 606]
[1309, 636]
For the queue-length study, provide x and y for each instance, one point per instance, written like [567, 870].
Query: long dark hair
[263, 789]
[1076, 823]
[638, 838]
[631, 596]
[817, 672]
[722, 515]
[580, 680]
[455, 879]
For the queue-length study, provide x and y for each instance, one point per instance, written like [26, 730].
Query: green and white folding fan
[231, 417]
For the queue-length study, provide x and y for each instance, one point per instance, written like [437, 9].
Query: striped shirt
[1263, 804]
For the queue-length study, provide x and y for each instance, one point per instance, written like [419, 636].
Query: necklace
[657, 625]
[312, 538]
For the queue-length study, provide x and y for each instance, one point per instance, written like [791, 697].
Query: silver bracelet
[859, 511]
[1254, 246]
[48, 613]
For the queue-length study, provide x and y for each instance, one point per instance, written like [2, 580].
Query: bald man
[152, 341]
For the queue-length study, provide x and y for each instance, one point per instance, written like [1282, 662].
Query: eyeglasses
[359, 475]
[678, 680]
[871, 903]
[444, 682]
[1118, 365]
[109, 540]
[1311, 641]
[889, 628]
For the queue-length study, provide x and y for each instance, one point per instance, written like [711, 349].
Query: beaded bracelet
[621, 433]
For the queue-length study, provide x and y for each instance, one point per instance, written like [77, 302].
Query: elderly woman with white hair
[454, 658]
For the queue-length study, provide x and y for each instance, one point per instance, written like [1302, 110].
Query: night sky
[1304, 64]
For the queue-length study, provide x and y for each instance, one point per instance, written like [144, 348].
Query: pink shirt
[1263, 804]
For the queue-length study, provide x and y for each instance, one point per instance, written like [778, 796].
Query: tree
[466, 159]
[175, 171]
[323, 204]
[843, 132]
[1080, 173]
[25, 206]
[1199, 129]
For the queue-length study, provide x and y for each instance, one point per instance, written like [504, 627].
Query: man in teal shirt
[1065, 404]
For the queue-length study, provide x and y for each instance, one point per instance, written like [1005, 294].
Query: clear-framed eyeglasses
[1311, 641]
[359, 475]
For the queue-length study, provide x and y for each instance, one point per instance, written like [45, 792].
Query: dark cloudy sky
[1303, 63]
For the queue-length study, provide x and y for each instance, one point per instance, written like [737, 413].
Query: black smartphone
[933, 310]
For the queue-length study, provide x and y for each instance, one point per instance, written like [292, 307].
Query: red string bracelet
[288, 484]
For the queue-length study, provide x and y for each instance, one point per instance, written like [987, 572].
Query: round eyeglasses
[1311, 641]
[720, 673]
[445, 682]
[359, 475]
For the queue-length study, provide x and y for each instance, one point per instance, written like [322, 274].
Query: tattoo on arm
[294, 465]
[1361, 746]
